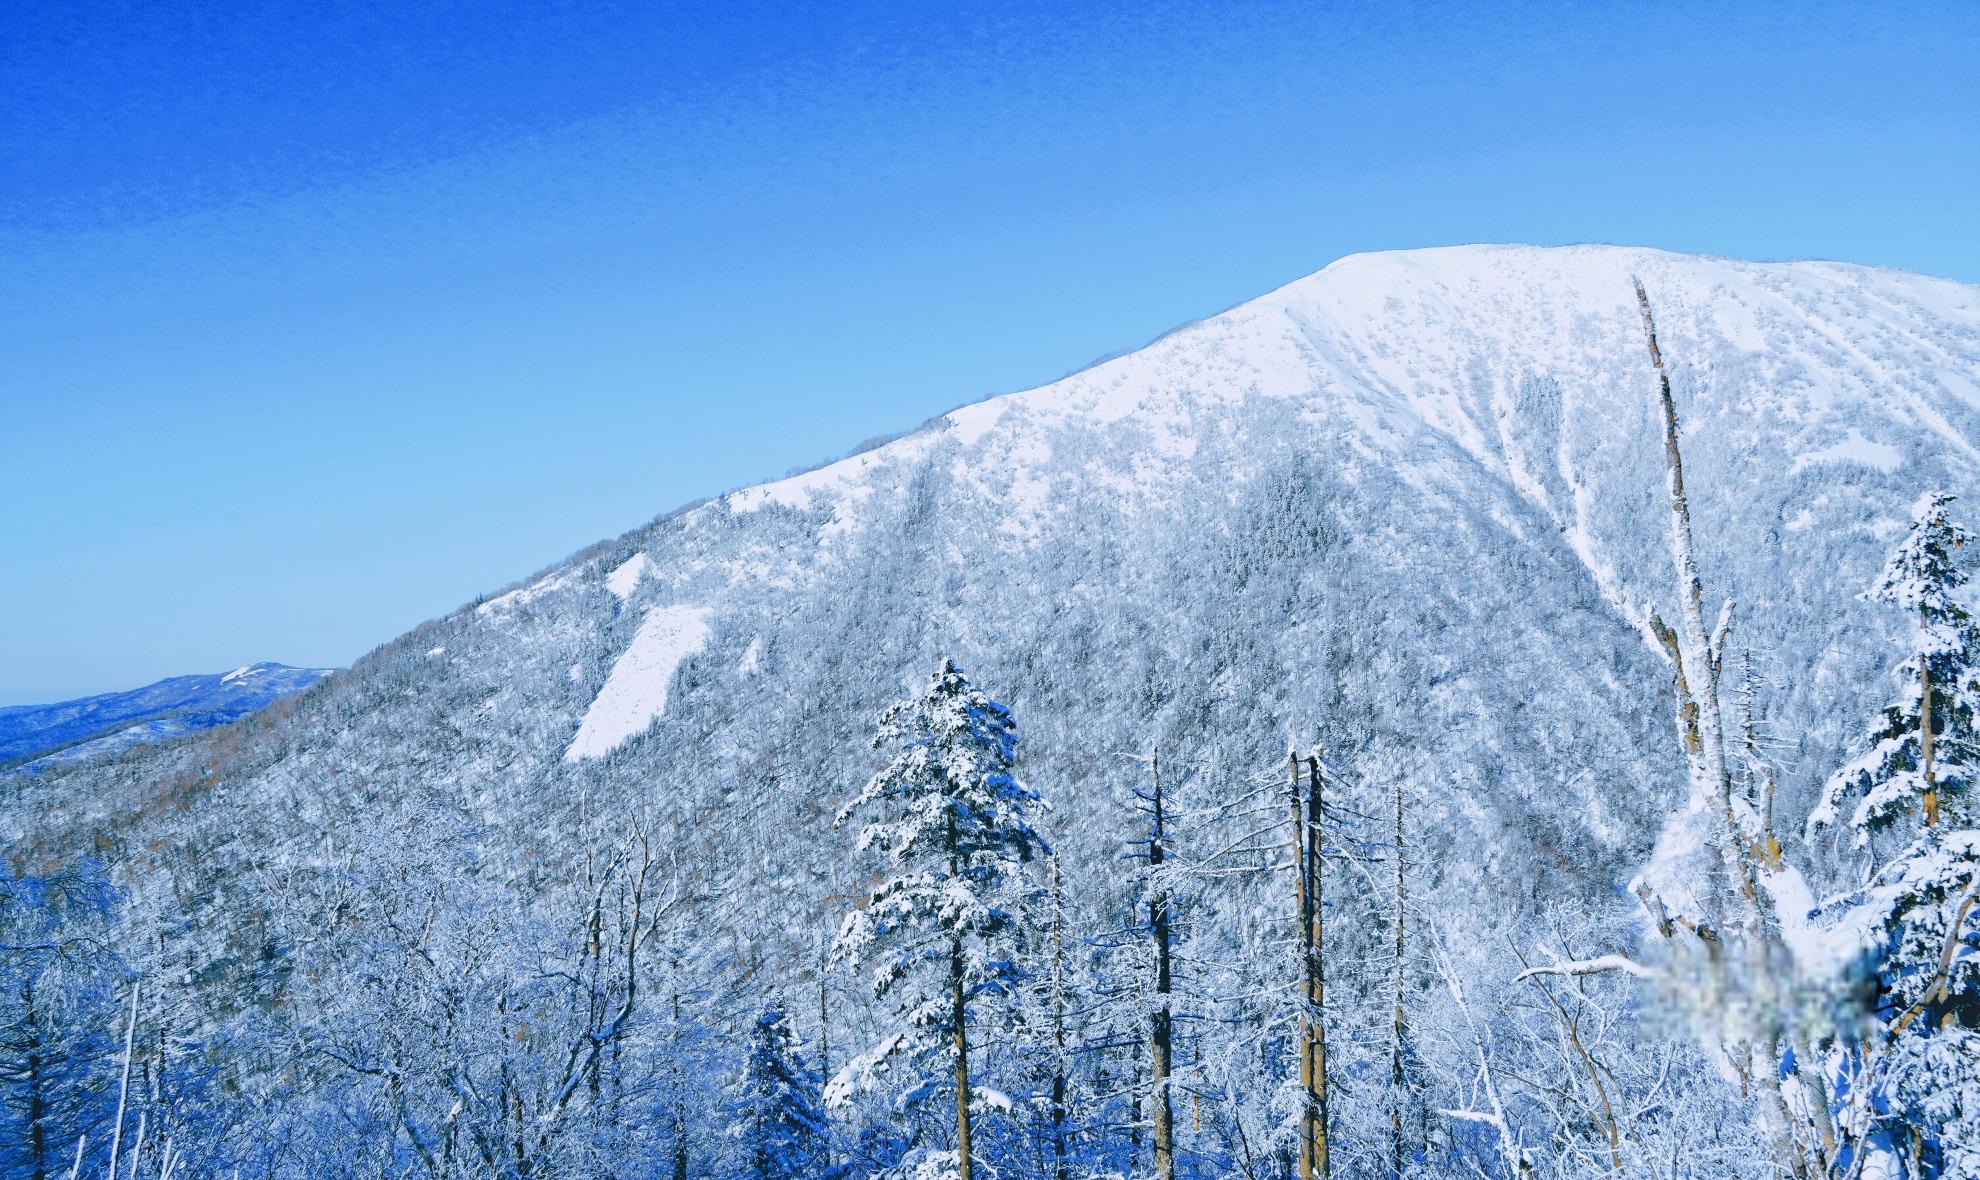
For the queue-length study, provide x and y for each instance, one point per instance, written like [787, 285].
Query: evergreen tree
[780, 1120]
[1918, 1085]
[1913, 771]
[57, 981]
[940, 932]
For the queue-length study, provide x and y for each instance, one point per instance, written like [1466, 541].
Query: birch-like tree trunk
[1748, 924]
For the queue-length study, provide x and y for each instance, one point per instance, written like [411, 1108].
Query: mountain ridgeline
[89, 727]
[1410, 512]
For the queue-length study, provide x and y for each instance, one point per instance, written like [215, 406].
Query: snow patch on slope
[1853, 448]
[635, 694]
[526, 594]
[625, 579]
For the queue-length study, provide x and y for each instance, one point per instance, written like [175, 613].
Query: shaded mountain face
[1410, 508]
[68, 731]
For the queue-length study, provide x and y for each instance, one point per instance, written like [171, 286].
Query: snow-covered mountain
[1414, 493]
[66, 731]
[1410, 507]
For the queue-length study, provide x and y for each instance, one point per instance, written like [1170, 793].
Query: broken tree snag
[1303, 916]
[1748, 917]
[1397, 1155]
[1313, 1056]
[1398, 1034]
[1060, 1109]
[1161, 1032]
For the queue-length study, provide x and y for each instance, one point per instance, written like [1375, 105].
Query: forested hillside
[621, 872]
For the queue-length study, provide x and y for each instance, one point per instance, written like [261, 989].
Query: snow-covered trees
[1913, 770]
[1917, 1077]
[779, 1117]
[401, 927]
[942, 928]
[57, 976]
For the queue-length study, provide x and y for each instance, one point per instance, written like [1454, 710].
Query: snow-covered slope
[34, 735]
[1408, 506]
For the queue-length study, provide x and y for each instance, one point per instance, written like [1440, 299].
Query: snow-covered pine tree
[940, 931]
[1912, 770]
[1919, 1085]
[779, 1117]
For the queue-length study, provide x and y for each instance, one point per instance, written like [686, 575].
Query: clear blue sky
[318, 320]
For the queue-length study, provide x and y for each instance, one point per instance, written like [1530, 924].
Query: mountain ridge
[86, 727]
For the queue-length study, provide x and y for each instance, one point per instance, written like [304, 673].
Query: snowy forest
[1360, 805]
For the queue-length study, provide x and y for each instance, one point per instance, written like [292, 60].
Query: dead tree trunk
[680, 1121]
[824, 1048]
[1302, 884]
[1161, 1042]
[1397, 1155]
[1306, 813]
[958, 1011]
[959, 1024]
[1316, 972]
[1697, 656]
[1060, 1086]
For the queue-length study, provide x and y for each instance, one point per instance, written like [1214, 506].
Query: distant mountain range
[69, 731]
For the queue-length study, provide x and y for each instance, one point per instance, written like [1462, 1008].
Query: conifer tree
[779, 1118]
[940, 931]
[1911, 769]
[1919, 1089]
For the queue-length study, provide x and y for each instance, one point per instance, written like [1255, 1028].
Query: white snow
[625, 579]
[1853, 448]
[1816, 950]
[236, 674]
[519, 597]
[973, 422]
[437, 651]
[635, 694]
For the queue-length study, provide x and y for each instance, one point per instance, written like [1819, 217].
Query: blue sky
[318, 320]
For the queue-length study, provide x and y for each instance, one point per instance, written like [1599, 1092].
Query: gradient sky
[318, 320]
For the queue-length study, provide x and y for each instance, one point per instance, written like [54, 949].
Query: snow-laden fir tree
[941, 930]
[1918, 1082]
[780, 1119]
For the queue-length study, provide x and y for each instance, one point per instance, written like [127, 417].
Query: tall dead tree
[1308, 807]
[1161, 1040]
[1400, 1029]
[1061, 1107]
[1742, 938]
[680, 1153]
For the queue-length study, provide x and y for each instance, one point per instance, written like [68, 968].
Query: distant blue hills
[39, 735]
